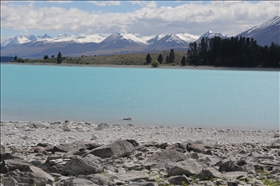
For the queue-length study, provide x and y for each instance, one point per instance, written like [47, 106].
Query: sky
[142, 17]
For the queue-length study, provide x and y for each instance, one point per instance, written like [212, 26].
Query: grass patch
[269, 182]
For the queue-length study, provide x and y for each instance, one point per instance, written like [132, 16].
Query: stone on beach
[78, 166]
[65, 126]
[187, 167]
[117, 149]
[40, 124]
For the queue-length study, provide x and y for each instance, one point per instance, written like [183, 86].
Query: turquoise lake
[237, 99]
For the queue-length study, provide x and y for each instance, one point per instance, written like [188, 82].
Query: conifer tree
[15, 58]
[59, 58]
[46, 57]
[160, 59]
[183, 61]
[171, 56]
[167, 59]
[148, 58]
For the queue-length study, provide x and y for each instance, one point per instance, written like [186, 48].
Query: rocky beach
[83, 153]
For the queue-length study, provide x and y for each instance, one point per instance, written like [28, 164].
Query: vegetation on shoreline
[233, 52]
[115, 59]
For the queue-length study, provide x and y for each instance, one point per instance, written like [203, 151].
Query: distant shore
[188, 67]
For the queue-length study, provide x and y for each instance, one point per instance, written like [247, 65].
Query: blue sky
[143, 17]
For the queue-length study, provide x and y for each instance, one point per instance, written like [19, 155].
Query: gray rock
[143, 184]
[41, 177]
[40, 124]
[78, 166]
[193, 155]
[199, 148]
[102, 126]
[24, 173]
[66, 147]
[9, 182]
[229, 166]
[167, 156]
[188, 167]
[233, 183]
[117, 149]
[98, 179]
[6, 156]
[13, 164]
[178, 180]
[78, 182]
[208, 173]
[65, 126]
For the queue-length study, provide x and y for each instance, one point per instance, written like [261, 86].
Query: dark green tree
[59, 57]
[167, 60]
[160, 59]
[15, 58]
[171, 56]
[203, 51]
[148, 58]
[46, 57]
[183, 61]
[52, 56]
[192, 54]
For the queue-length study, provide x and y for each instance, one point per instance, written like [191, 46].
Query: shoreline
[13, 131]
[188, 67]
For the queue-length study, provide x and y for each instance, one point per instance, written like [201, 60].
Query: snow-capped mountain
[265, 33]
[63, 38]
[20, 39]
[209, 34]
[31, 46]
[188, 37]
[169, 40]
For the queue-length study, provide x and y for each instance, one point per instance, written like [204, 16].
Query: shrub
[155, 64]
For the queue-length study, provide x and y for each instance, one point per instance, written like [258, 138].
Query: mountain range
[30, 46]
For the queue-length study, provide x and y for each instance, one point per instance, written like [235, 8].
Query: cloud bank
[229, 18]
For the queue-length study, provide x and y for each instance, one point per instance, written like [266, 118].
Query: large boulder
[229, 166]
[77, 166]
[23, 172]
[13, 164]
[67, 147]
[117, 149]
[179, 180]
[208, 173]
[187, 167]
[41, 177]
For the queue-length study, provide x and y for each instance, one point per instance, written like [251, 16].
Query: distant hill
[6, 59]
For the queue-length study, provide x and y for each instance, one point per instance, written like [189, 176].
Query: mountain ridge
[31, 46]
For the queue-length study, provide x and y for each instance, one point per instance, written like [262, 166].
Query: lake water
[151, 96]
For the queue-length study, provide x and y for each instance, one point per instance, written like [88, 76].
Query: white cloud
[106, 3]
[196, 18]
[149, 4]
[59, 2]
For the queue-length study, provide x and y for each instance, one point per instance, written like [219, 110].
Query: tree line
[233, 52]
[59, 58]
[169, 58]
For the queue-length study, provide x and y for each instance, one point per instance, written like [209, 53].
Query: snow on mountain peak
[272, 22]
[209, 34]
